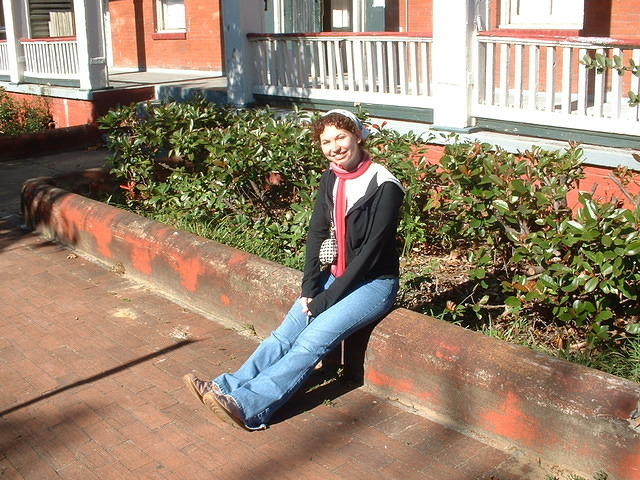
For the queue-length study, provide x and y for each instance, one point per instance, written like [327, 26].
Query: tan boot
[199, 387]
[225, 408]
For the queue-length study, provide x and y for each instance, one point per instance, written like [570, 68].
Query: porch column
[92, 61]
[452, 75]
[238, 19]
[15, 25]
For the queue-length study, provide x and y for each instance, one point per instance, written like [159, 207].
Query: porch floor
[185, 79]
[170, 84]
[174, 85]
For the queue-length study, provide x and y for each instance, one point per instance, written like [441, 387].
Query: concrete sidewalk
[91, 388]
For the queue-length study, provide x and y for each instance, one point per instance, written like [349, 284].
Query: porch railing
[51, 58]
[4, 59]
[544, 82]
[376, 68]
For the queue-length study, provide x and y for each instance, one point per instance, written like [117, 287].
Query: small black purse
[328, 254]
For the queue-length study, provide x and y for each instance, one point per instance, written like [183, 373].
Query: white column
[14, 24]
[278, 16]
[108, 44]
[92, 61]
[356, 17]
[240, 18]
[452, 74]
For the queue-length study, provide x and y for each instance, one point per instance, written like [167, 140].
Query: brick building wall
[612, 18]
[625, 18]
[420, 15]
[136, 43]
[602, 18]
[69, 112]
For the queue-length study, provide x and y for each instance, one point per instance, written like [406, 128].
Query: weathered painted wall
[565, 413]
[210, 276]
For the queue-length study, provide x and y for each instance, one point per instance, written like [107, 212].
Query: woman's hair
[337, 120]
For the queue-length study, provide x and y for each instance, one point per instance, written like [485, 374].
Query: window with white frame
[170, 16]
[543, 14]
[295, 16]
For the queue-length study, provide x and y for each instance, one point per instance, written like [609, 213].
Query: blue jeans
[282, 362]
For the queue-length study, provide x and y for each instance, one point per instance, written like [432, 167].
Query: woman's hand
[305, 301]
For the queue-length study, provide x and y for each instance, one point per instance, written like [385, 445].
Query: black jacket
[371, 241]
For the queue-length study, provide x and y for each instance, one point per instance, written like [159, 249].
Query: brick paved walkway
[91, 366]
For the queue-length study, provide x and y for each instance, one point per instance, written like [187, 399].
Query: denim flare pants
[283, 361]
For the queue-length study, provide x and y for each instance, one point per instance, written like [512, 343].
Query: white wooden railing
[544, 82]
[392, 69]
[51, 58]
[4, 59]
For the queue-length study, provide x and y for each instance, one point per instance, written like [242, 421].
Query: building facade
[511, 66]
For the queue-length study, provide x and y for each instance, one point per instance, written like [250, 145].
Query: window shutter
[39, 15]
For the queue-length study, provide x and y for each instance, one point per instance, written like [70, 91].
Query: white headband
[364, 131]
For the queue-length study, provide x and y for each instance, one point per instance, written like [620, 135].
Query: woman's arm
[385, 221]
[318, 232]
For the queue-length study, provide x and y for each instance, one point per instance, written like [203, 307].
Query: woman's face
[340, 147]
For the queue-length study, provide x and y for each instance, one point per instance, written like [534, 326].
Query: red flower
[274, 178]
[130, 189]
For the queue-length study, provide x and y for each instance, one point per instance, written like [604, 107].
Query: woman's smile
[341, 147]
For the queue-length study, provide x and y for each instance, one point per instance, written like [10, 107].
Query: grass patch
[622, 359]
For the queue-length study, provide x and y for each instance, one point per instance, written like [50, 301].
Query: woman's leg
[261, 396]
[270, 350]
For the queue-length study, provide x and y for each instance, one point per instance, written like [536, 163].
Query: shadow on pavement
[322, 388]
[48, 435]
[98, 376]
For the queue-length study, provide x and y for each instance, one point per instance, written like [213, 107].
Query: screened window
[297, 16]
[300, 16]
[543, 14]
[170, 16]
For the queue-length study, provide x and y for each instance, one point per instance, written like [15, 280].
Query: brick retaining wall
[51, 141]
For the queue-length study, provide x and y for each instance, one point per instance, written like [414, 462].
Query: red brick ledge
[564, 413]
[51, 141]
[212, 277]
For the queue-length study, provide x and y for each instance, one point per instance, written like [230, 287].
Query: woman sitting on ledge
[350, 280]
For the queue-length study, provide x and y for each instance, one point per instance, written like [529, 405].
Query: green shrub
[218, 164]
[22, 117]
[255, 166]
[256, 171]
[405, 156]
[588, 268]
[491, 198]
[509, 212]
